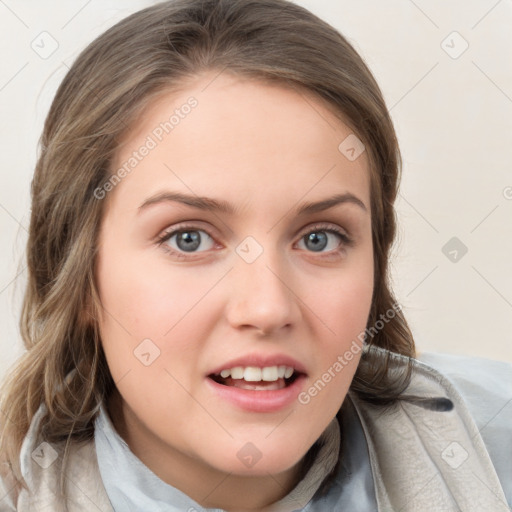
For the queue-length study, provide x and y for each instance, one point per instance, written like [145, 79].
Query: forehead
[245, 139]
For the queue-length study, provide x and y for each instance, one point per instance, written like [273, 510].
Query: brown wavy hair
[152, 52]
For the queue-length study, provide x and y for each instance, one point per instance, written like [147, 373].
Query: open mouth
[252, 378]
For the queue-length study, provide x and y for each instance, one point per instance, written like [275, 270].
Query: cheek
[342, 306]
[152, 328]
[144, 298]
[344, 311]
[152, 301]
[343, 301]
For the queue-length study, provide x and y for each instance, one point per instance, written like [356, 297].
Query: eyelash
[346, 241]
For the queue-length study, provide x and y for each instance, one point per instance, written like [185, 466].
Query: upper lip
[261, 361]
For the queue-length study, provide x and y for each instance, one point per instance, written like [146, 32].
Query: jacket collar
[427, 459]
[131, 485]
[420, 459]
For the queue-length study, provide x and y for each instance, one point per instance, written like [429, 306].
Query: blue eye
[318, 240]
[188, 240]
[322, 239]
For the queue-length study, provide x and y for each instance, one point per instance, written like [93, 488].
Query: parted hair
[110, 84]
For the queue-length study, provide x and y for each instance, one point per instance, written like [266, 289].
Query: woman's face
[235, 248]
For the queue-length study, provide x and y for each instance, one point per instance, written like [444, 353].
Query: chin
[253, 459]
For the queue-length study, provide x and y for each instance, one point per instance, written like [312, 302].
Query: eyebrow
[221, 206]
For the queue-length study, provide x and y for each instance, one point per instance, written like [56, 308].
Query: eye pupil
[317, 239]
[188, 240]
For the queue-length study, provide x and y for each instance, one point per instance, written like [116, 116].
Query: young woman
[208, 320]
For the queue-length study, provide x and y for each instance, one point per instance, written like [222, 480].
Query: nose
[262, 297]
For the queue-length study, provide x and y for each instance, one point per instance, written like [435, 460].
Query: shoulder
[43, 466]
[484, 384]
[455, 415]
[486, 388]
[8, 492]
[472, 374]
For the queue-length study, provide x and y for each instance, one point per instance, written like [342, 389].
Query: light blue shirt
[132, 486]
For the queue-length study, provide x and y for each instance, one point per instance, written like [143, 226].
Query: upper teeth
[255, 374]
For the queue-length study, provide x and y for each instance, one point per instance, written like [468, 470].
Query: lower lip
[259, 401]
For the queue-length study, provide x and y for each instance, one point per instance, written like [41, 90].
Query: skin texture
[266, 150]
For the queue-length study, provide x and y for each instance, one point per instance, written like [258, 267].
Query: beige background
[452, 110]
